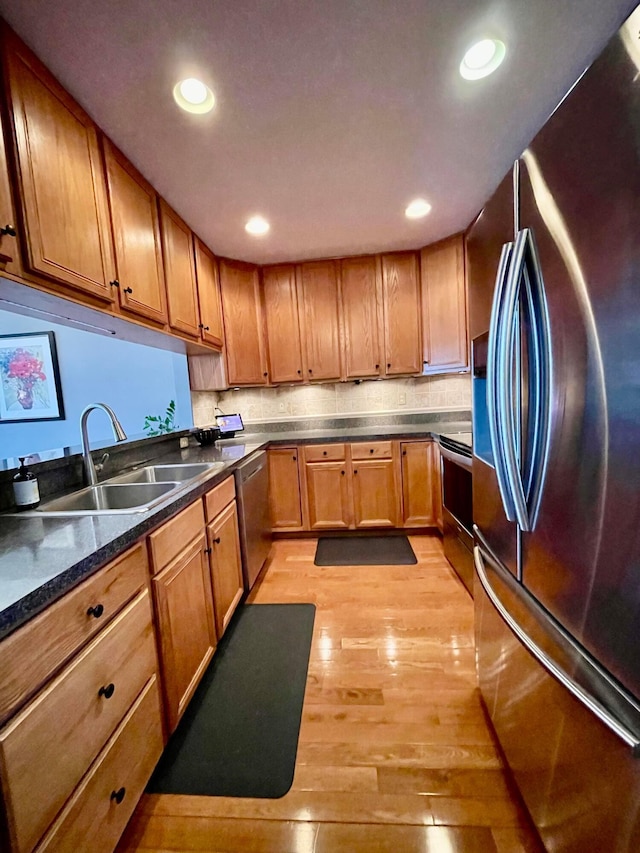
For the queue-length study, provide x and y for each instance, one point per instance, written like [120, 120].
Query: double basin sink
[135, 491]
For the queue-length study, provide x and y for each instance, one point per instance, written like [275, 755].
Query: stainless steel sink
[135, 491]
[179, 473]
[110, 498]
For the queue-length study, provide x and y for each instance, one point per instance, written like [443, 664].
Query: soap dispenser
[25, 487]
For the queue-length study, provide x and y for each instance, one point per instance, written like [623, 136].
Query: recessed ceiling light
[193, 96]
[482, 59]
[257, 226]
[418, 208]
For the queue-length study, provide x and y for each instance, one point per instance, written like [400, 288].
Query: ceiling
[331, 115]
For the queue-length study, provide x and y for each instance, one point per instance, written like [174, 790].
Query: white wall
[387, 396]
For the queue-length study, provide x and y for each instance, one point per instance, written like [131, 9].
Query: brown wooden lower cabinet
[418, 484]
[284, 488]
[185, 625]
[223, 537]
[375, 493]
[328, 495]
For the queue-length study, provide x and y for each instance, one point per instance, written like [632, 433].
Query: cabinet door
[375, 494]
[436, 469]
[223, 537]
[243, 324]
[62, 194]
[184, 606]
[281, 318]
[136, 237]
[328, 495]
[418, 486]
[319, 310]
[444, 306]
[284, 488]
[211, 328]
[359, 300]
[179, 272]
[401, 302]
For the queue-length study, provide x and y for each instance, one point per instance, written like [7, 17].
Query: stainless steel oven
[457, 509]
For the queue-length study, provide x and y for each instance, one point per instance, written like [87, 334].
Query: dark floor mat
[364, 551]
[239, 735]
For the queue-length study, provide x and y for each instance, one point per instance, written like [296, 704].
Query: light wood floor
[395, 754]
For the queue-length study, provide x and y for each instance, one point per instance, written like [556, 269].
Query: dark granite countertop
[43, 557]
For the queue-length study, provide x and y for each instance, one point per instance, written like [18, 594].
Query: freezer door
[579, 193]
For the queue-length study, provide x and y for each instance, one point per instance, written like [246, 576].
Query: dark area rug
[364, 551]
[239, 735]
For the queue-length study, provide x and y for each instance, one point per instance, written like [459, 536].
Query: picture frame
[30, 387]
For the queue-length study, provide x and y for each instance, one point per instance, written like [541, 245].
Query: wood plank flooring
[394, 754]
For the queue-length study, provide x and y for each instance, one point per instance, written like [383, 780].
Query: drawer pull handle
[118, 795]
[107, 692]
[96, 611]
[217, 541]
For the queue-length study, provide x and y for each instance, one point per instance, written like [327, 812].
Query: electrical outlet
[184, 441]
[402, 399]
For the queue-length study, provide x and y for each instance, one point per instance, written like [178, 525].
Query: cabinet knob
[299, 373]
[115, 283]
[355, 471]
[295, 458]
[310, 370]
[118, 795]
[202, 326]
[388, 366]
[217, 541]
[425, 361]
[371, 450]
[377, 367]
[404, 452]
[342, 472]
[107, 691]
[96, 611]
[8, 231]
[207, 550]
[265, 375]
[127, 290]
[324, 452]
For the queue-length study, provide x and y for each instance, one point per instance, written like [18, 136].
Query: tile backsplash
[397, 396]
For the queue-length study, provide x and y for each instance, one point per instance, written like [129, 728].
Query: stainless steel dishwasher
[252, 490]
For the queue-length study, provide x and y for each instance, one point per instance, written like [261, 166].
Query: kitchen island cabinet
[245, 350]
[60, 180]
[136, 235]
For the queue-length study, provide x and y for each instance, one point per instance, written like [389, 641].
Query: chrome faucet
[90, 474]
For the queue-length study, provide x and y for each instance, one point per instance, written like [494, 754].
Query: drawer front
[372, 450]
[30, 655]
[93, 819]
[324, 452]
[220, 497]
[167, 542]
[47, 748]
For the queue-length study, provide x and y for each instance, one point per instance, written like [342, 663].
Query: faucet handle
[103, 460]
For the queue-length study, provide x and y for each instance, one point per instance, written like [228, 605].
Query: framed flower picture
[29, 378]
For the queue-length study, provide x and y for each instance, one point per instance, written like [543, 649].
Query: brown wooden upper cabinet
[401, 306]
[179, 272]
[359, 299]
[61, 183]
[9, 246]
[211, 327]
[444, 306]
[243, 323]
[136, 237]
[283, 327]
[318, 292]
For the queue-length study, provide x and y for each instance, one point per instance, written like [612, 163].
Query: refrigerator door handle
[596, 708]
[509, 386]
[495, 359]
[539, 373]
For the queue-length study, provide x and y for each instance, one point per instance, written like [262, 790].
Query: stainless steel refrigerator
[554, 284]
